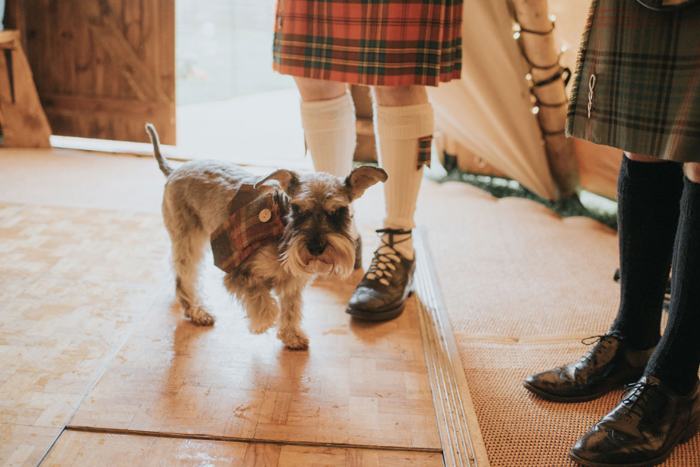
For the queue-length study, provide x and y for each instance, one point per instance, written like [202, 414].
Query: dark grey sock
[648, 199]
[677, 358]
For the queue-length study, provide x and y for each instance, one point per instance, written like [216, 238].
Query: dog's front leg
[289, 327]
[257, 301]
[261, 309]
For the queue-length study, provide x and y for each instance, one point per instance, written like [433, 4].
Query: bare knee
[692, 171]
[318, 89]
[393, 96]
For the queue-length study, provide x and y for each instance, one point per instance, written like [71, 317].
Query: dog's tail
[162, 161]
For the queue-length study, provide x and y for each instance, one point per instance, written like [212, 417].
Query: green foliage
[589, 204]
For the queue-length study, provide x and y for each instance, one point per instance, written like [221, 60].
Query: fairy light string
[562, 72]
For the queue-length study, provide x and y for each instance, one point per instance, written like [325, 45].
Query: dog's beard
[338, 258]
[294, 259]
[318, 267]
[341, 250]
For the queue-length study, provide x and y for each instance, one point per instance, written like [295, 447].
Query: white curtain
[488, 112]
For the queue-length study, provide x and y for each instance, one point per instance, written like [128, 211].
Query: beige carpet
[522, 286]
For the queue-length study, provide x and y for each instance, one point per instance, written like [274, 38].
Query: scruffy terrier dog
[271, 235]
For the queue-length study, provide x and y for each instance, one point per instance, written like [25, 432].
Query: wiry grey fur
[195, 204]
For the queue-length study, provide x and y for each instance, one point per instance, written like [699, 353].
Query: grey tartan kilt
[637, 82]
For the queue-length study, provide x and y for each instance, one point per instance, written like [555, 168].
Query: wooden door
[104, 68]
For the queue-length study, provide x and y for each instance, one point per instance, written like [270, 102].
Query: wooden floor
[98, 367]
[359, 384]
[73, 283]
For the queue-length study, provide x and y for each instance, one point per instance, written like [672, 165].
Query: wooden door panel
[103, 68]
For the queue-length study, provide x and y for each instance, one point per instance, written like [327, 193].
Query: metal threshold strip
[461, 438]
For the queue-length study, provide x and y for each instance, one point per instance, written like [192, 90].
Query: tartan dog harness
[256, 218]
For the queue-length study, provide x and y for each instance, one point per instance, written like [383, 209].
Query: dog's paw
[259, 328]
[260, 322]
[198, 315]
[294, 340]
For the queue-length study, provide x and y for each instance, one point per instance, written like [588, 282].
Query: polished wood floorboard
[73, 282]
[76, 449]
[358, 384]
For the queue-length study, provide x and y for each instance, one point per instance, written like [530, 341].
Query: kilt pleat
[646, 95]
[371, 42]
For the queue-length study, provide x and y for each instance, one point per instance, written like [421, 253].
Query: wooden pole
[23, 121]
[535, 32]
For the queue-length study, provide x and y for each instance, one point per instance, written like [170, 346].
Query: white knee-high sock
[329, 127]
[398, 130]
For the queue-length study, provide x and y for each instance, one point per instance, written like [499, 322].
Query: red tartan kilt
[371, 42]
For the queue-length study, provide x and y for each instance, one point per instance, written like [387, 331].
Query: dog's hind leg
[188, 240]
[289, 327]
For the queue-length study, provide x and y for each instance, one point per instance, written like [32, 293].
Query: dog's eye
[296, 209]
[339, 213]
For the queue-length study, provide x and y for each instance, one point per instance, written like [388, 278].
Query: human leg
[649, 195]
[648, 210]
[677, 358]
[328, 118]
[663, 408]
[403, 117]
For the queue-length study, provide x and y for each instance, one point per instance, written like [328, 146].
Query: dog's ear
[362, 178]
[287, 180]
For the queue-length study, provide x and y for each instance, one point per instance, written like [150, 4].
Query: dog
[271, 234]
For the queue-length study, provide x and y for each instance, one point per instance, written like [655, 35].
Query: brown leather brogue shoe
[610, 364]
[643, 429]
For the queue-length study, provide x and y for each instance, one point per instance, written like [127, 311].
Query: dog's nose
[315, 248]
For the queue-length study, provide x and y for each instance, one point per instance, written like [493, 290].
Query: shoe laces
[632, 397]
[382, 267]
[599, 339]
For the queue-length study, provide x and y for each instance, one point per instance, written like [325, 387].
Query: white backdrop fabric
[488, 111]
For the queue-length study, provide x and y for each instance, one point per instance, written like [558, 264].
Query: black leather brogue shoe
[610, 364]
[382, 293]
[643, 429]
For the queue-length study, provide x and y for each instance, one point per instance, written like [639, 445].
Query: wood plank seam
[82, 448]
[161, 434]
